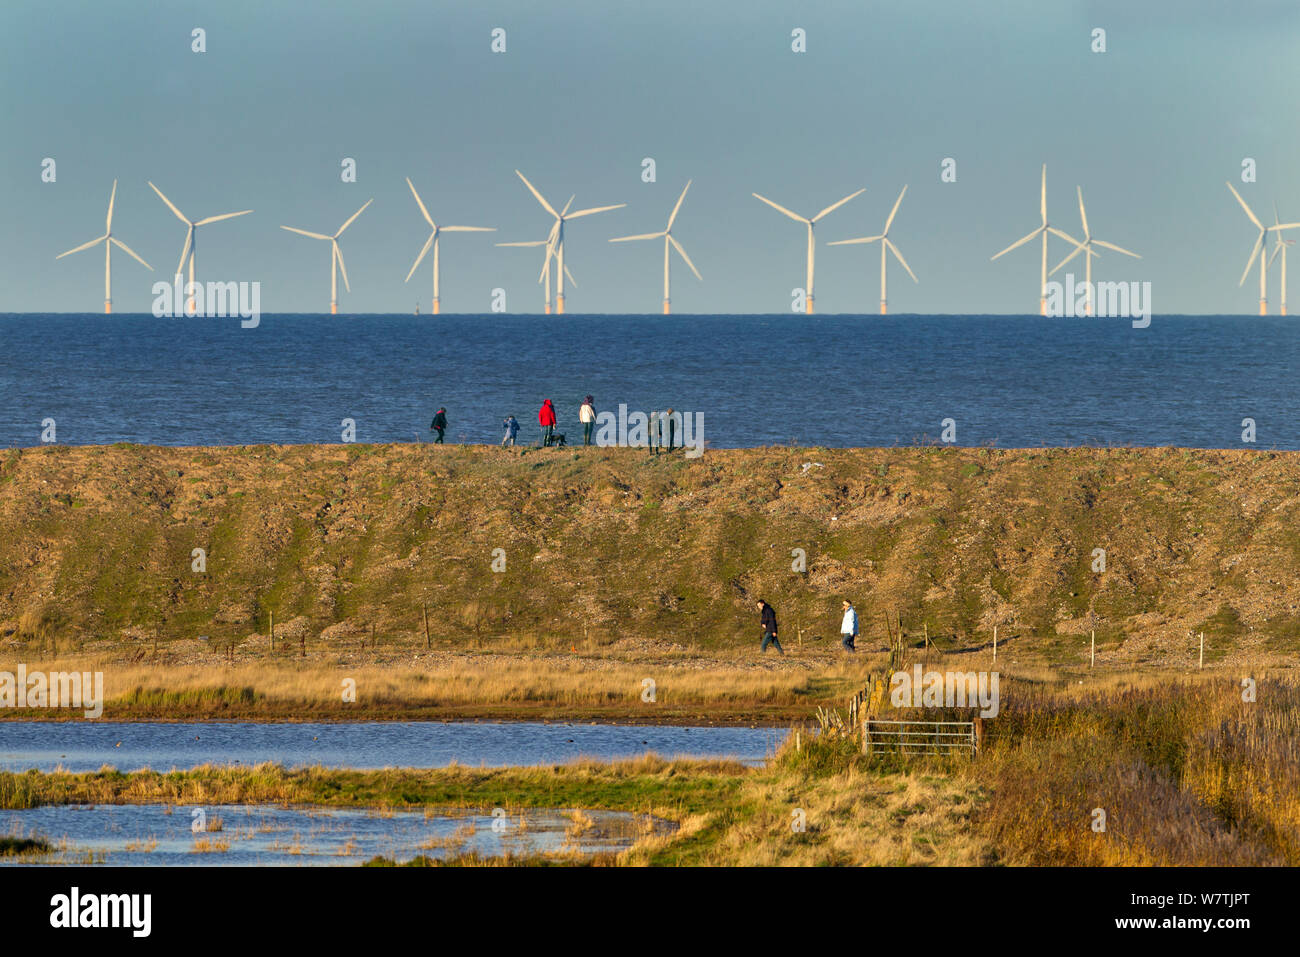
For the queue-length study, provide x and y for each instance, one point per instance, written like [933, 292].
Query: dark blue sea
[758, 380]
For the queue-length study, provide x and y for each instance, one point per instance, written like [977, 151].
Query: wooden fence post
[1092, 659]
[995, 644]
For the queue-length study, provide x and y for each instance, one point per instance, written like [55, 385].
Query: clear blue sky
[1150, 129]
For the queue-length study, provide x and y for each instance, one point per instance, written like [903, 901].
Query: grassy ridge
[602, 546]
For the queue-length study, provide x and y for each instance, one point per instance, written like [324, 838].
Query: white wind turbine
[808, 293]
[667, 236]
[1280, 247]
[109, 241]
[555, 242]
[545, 278]
[1043, 229]
[885, 244]
[336, 256]
[191, 238]
[1086, 248]
[1259, 244]
[433, 241]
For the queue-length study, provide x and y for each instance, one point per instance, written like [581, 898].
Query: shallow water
[128, 746]
[155, 834]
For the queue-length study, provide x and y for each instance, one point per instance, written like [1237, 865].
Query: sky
[586, 90]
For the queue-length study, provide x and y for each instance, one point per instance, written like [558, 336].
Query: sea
[756, 380]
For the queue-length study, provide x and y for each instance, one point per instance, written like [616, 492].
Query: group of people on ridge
[663, 427]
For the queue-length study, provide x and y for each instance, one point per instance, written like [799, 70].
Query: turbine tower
[191, 239]
[1086, 248]
[109, 241]
[1259, 244]
[885, 244]
[336, 256]
[433, 241]
[1280, 247]
[808, 298]
[667, 236]
[555, 242]
[1043, 229]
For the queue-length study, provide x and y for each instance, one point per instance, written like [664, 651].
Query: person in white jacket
[849, 627]
[587, 416]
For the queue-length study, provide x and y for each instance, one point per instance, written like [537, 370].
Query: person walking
[439, 424]
[849, 626]
[768, 619]
[587, 416]
[652, 435]
[546, 418]
[512, 429]
[670, 427]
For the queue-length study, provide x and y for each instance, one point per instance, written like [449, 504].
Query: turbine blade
[108, 222]
[353, 218]
[532, 189]
[899, 256]
[678, 246]
[855, 242]
[536, 242]
[419, 202]
[1042, 205]
[93, 242]
[1249, 212]
[217, 219]
[170, 205]
[1281, 226]
[469, 229]
[1273, 255]
[1118, 249]
[1066, 236]
[185, 250]
[673, 216]
[342, 268]
[303, 232]
[1077, 250]
[573, 282]
[1253, 253]
[627, 239]
[565, 210]
[129, 251]
[427, 243]
[1019, 242]
[780, 209]
[594, 209]
[834, 206]
[1083, 214]
[898, 202]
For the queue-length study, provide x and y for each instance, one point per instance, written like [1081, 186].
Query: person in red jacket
[546, 417]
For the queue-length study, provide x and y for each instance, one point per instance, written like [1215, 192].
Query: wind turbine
[808, 298]
[884, 244]
[668, 239]
[545, 278]
[1043, 229]
[1086, 248]
[433, 240]
[1280, 247]
[191, 239]
[336, 257]
[109, 241]
[555, 242]
[1259, 244]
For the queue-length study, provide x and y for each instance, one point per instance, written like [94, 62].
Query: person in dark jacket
[439, 424]
[546, 418]
[768, 619]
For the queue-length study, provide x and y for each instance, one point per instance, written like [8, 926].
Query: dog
[556, 439]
